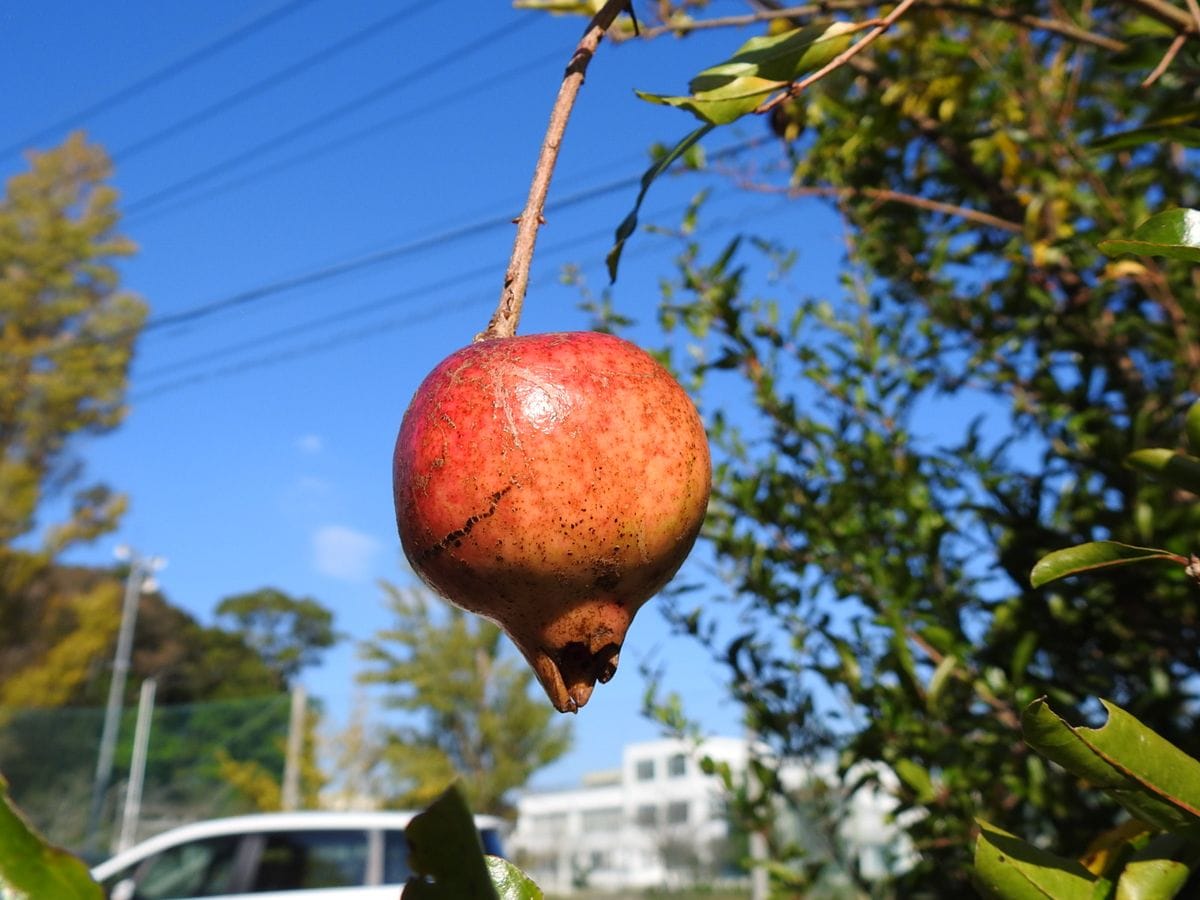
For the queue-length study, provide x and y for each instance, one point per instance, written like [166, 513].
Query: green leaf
[1160, 869]
[729, 90]
[1008, 867]
[29, 867]
[629, 224]
[937, 681]
[1093, 555]
[916, 777]
[725, 104]
[510, 882]
[1191, 426]
[1180, 127]
[445, 853]
[1188, 135]
[1174, 233]
[1156, 781]
[1171, 466]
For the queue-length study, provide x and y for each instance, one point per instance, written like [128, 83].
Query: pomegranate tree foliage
[896, 458]
[448, 861]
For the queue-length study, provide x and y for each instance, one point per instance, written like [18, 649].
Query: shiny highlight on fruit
[552, 483]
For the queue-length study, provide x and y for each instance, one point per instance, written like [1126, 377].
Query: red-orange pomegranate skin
[552, 483]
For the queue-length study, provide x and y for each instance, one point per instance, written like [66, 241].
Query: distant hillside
[58, 635]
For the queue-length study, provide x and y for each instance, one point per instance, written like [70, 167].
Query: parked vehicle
[289, 856]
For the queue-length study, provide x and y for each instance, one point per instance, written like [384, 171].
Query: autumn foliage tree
[67, 332]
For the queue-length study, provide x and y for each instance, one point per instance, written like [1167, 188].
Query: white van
[274, 856]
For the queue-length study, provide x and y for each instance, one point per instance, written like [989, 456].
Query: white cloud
[310, 443]
[344, 553]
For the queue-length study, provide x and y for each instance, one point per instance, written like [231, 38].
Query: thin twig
[1165, 62]
[841, 59]
[1194, 9]
[1035, 23]
[882, 195]
[1166, 12]
[516, 278]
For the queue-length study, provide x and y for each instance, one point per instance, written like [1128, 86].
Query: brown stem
[516, 278]
[883, 195]
[1165, 62]
[1167, 13]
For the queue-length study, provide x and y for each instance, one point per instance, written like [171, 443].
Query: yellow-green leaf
[1152, 778]
[1174, 233]
[1093, 555]
[1160, 869]
[510, 882]
[1008, 867]
[1170, 466]
[31, 868]
[731, 89]
[1191, 426]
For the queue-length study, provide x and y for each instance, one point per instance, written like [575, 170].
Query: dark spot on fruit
[455, 538]
[607, 579]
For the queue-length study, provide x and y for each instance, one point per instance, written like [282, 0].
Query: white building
[659, 821]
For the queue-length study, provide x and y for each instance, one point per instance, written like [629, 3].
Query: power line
[403, 117]
[375, 328]
[157, 77]
[272, 80]
[342, 315]
[425, 70]
[346, 337]
[371, 259]
[389, 254]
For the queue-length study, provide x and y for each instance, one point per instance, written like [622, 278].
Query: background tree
[906, 450]
[66, 334]
[216, 695]
[466, 699]
[66, 337]
[289, 633]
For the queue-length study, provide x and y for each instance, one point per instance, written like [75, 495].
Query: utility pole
[140, 578]
[131, 817]
[290, 797]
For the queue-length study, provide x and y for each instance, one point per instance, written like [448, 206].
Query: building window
[645, 770]
[677, 765]
[605, 819]
[677, 812]
[647, 815]
[548, 823]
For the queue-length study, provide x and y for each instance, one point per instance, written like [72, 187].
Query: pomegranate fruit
[552, 483]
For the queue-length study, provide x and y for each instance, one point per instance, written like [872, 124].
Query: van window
[294, 860]
[396, 868]
[195, 869]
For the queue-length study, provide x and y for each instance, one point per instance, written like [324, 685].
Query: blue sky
[322, 210]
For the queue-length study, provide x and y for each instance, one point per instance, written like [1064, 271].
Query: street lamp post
[140, 575]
